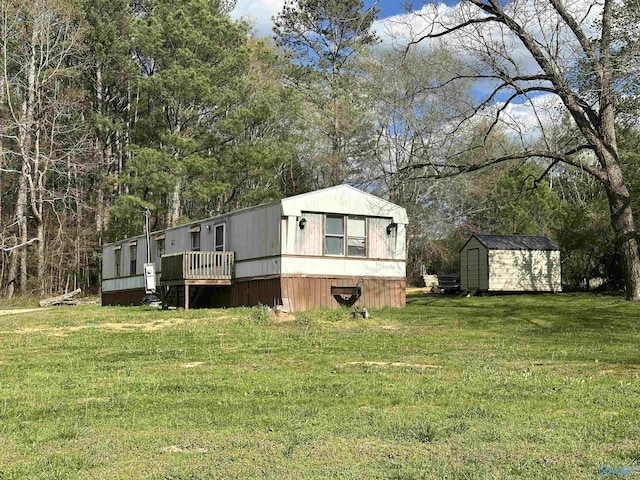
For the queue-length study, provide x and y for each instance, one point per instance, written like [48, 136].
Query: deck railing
[197, 266]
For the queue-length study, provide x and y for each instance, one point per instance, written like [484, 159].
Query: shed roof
[516, 242]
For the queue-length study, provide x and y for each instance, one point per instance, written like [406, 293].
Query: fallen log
[60, 299]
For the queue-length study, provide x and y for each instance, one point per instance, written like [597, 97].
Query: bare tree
[584, 53]
[39, 42]
[408, 119]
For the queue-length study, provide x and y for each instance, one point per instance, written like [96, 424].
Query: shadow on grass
[545, 313]
[606, 325]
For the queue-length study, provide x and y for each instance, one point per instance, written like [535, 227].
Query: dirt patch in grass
[282, 317]
[192, 364]
[22, 310]
[124, 326]
[179, 449]
[394, 364]
[418, 290]
[392, 327]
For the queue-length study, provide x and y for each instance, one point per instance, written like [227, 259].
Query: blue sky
[388, 7]
[261, 11]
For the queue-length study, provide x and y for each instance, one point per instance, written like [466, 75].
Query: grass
[495, 387]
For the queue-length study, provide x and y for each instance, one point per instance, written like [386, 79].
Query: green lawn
[494, 387]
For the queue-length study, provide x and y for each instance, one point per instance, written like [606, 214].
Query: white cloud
[528, 120]
[537, 16]
[524, 117]
[258, 13]
[487, 45]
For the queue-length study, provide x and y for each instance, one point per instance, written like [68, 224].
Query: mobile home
[315, 250]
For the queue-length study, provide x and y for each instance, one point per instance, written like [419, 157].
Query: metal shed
[510, 263]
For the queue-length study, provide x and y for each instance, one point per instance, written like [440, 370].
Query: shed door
[473, 262]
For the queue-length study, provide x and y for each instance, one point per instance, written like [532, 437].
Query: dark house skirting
[297, 293]
[123, 297]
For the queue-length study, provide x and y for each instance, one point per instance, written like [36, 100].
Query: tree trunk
[11, 273]
[617, 192]
[19, 255]
[41, 260]
[625, 231]
[174, 206]
[24, 140]
[102, 162]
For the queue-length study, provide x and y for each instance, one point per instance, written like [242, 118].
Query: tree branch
[15, 247]
[440, 168]
[446, 31]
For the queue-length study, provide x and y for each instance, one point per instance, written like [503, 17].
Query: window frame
[364, 238]
[345, 236]
[160, 250]
[196, 235]
[118, 262]
[133, 259]
[334, 235]
[217, 247]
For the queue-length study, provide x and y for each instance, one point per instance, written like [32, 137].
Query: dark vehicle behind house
[449, 283]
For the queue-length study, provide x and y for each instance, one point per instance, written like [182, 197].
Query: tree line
[111, 107]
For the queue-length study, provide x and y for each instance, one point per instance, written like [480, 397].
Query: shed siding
[525, 270]
[478, 268]
[473, 259]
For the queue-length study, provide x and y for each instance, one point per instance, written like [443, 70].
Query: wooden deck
[185, 269]
[197, 268]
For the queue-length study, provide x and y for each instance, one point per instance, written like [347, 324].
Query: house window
[118, 256]
[195, 241]
[133, 257]
[219, 238]
[159, 247]
[334, 235]
[357, 237]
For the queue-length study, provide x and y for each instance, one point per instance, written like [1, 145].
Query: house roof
[516, 242]
[343, 199]
[340, 199]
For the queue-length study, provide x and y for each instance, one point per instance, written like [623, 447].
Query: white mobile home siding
[254, 236]
[308, 240]
[108, 262]
[385, 245]
[275, 259]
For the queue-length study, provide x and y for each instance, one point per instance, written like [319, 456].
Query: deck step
[469, 293]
